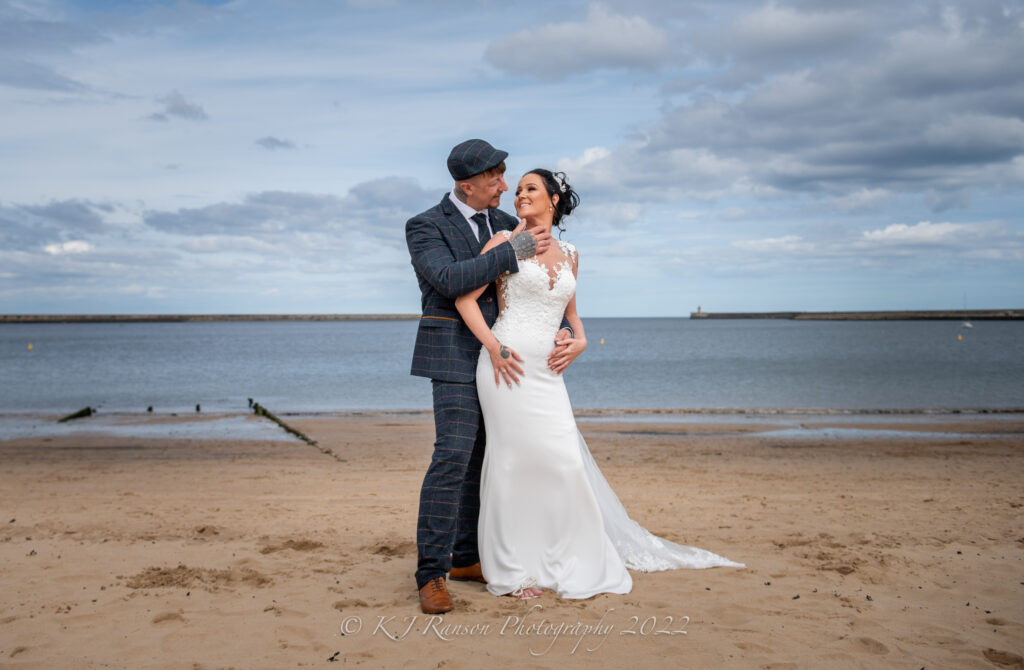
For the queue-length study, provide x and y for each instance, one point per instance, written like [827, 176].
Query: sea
[768, 365]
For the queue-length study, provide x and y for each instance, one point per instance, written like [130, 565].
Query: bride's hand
[503, 360]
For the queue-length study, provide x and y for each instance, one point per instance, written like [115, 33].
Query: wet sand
[863, 550]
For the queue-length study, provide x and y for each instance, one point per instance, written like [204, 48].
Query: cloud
[931, 244]
[22, 74]
[307, 247]
[71, 214]
[72, 247]
[29, 36]
[925, 232]
[781, 33]
[604, 40]
[803, 105]
[272, 143]
[374, 209]
[175, 105]
[772, 245]
[26, 227]
[919, 250]
[216, 244]
[863, 200]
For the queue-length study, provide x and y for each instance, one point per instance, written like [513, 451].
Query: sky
[262, 156]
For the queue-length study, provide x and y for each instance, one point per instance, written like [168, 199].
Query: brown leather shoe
[470, 573]
[434, 598]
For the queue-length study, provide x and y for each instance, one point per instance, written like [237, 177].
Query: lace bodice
[534, 299]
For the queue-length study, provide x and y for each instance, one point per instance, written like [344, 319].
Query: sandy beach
[868, 544]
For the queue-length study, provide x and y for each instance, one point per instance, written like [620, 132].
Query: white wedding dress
[547, 516]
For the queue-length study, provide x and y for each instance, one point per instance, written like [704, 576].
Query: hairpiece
[558, 180]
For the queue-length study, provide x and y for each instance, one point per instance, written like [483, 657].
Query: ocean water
[643, 363]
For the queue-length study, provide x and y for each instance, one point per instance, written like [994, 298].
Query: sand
[863, 550]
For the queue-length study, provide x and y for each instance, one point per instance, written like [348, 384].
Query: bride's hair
[556, 184]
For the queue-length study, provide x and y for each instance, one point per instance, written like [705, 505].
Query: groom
[445, 243]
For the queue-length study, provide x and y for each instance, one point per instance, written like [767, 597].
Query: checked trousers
[450, 497]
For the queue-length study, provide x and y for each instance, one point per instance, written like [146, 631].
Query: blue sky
[261, 156]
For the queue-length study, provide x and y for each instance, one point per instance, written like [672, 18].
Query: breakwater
[902, 315]
[172, 318]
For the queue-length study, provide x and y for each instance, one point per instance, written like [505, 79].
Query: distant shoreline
[878, 315]
[176, 318]
[881, 315]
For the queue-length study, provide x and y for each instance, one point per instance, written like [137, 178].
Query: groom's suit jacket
[446, 256]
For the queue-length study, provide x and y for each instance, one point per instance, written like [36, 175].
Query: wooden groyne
[171, 318]
[905, 315]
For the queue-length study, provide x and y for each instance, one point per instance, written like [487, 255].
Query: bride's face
[532, 198]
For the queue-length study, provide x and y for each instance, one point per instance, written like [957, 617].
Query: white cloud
[786, 243]
[864, 199]
[924, 232]
[72, 247]
[590, 155]
[215, 244]
[602, 40]
[934, 243]
[773, 30]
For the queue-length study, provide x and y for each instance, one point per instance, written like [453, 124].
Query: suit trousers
[450, 497]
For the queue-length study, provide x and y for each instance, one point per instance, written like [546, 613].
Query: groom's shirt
[468, 213]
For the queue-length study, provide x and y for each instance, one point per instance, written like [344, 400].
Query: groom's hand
[528, 243]
[567, 348]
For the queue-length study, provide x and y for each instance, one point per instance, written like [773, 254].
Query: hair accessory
[558, 180]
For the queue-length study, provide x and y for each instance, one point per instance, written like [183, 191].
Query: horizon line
[907, 314]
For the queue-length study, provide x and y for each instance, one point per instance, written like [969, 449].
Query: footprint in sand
[297, 637]
[294, 545]
[1004, 658]
[168, 616]
[871, 645]
[278, 610]
[393, 549]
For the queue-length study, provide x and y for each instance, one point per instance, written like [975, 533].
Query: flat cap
[473, 157]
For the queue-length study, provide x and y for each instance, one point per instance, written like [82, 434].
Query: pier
[904, 315]
[172, 318]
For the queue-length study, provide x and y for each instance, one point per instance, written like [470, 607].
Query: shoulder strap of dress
[567, 249]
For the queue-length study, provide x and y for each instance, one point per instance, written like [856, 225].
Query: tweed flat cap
[473, 157]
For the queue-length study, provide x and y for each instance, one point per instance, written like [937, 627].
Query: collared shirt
[468, 213]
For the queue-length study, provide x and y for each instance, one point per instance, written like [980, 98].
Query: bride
[548, 518]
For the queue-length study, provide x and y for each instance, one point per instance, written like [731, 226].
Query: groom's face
[486, 189]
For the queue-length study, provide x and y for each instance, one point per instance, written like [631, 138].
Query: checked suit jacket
[446, 256]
